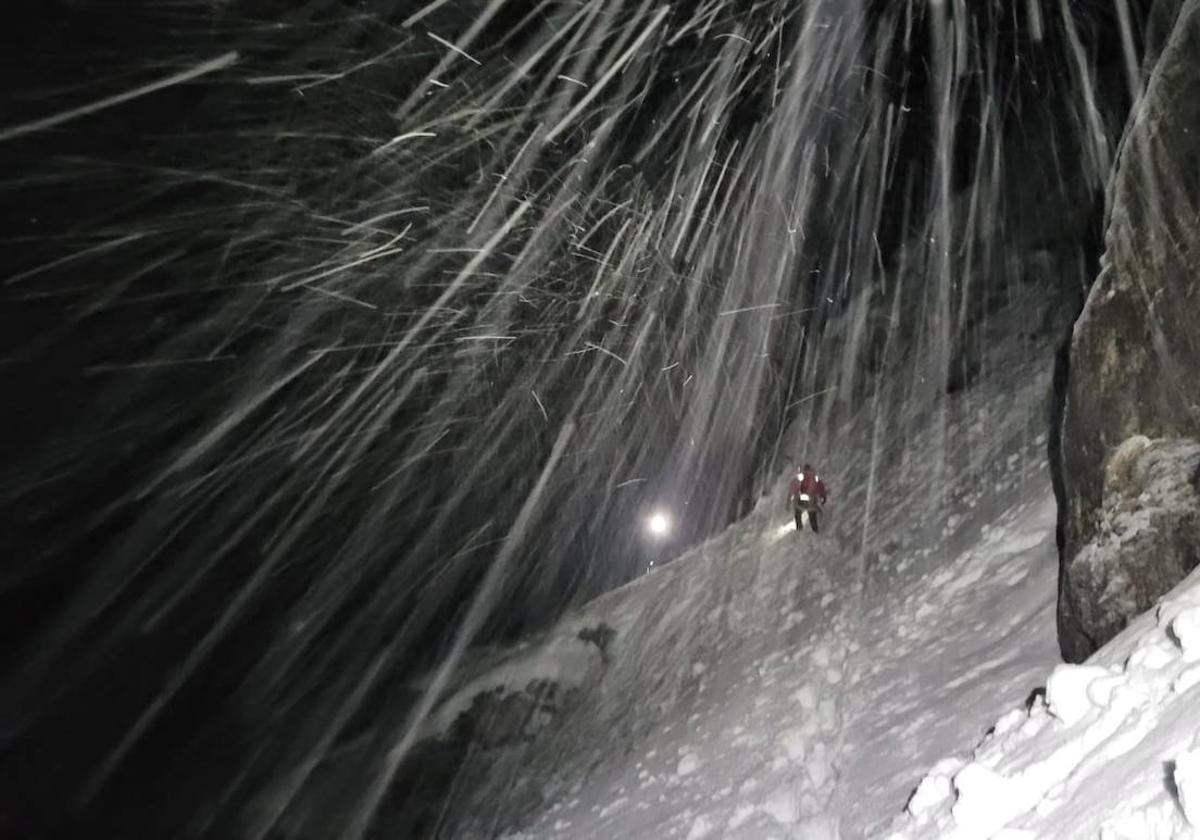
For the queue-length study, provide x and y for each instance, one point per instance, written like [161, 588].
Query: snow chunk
[985, 800]
[934, 789]
[1186, 627]
[1152, 657]
[1067, 691]
[1009, 722]
[1187, 782]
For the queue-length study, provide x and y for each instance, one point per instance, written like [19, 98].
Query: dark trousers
[813, 512]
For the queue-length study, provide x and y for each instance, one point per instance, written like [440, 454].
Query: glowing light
[659, 524]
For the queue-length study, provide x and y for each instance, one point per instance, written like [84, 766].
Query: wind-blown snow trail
[780, 684]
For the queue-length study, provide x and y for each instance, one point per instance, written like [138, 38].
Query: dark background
[112, 578]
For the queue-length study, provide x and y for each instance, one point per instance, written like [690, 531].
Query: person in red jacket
[807, 494]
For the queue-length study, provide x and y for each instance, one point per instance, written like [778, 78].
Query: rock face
[1135, 352]
[500, 718]
[1146, 537]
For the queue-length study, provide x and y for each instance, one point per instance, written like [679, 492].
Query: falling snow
[350, 343]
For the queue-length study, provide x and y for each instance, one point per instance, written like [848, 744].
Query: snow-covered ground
[1110, 751]
[775, 684]
[828, 722]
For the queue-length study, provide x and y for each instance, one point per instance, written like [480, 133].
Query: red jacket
[809, 483]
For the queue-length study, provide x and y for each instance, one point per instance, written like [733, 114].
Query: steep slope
[1110, 750]
[1134, 352]
[775, 681]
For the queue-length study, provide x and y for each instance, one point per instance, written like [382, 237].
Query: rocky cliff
[1135, 352]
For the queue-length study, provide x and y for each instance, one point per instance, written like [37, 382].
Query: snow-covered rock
[1133, 355]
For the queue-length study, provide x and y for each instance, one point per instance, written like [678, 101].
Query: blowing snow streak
[377, 336]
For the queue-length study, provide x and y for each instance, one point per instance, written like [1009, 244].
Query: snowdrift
[1111, 749]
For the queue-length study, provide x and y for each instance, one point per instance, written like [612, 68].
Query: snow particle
[614, 806]
[688, 764]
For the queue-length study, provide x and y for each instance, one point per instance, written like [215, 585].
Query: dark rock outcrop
[1147, 536]
[1135, 353]
[501, 717]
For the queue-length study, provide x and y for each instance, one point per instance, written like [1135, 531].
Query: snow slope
[822, 725]
[775, 684]
[1111, 750]
[772, 683]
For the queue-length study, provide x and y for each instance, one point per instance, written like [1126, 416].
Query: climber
[807, 494]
